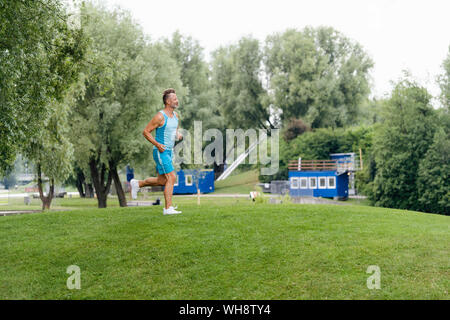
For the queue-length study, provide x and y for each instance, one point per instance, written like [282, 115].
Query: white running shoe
[170, 210]
[134, 188]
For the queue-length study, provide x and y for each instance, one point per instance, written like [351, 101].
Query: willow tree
[239, 90]
[40, 53]
[119, 91]
[198, 103]
[51, 152]
[317, 74]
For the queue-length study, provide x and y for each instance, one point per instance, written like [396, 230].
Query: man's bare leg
[160, 180]
[168, 189]
[167, 180]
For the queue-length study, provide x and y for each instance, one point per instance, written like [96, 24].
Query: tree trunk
[101, 189]
[102, 200]
[89, 190]
[46, 200]
[118, 185]
[80, 183]
[218, 170]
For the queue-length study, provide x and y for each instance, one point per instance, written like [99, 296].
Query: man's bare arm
[157, 121]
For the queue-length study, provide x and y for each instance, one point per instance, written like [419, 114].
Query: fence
[340, 165]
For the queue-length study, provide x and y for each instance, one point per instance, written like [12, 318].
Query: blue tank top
[167, 132]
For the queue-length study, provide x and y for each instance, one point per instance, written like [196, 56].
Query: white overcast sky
[397, 34]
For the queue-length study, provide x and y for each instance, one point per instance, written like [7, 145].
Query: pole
[360, 159]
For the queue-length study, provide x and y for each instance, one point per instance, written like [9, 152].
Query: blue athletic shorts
[163, 161]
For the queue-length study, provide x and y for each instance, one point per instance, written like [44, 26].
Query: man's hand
[161, 147]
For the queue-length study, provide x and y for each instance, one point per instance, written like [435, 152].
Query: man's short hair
[166, 94]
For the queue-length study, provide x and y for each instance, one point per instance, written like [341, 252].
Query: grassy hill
[243, 182]
[226, 249]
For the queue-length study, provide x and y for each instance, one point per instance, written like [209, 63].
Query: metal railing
[339, 165]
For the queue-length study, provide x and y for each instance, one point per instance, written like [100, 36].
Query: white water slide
[241, 158]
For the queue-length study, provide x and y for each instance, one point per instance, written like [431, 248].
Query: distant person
[130, 173]
[166, 124]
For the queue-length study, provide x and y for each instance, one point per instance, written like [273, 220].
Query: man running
[166, 124]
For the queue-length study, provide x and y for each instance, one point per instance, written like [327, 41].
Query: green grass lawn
[224, 249]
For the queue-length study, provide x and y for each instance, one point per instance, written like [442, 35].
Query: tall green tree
[119, 93]
[238, 88]
[433, 183]
[400, 143]
[198, 103]
[317, 74]
[51, 152]
[40, 55]
[240, 94]
[444, 82]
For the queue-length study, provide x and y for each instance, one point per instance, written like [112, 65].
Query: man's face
[172, 101]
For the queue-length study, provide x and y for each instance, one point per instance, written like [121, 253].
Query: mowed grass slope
[243, 182]
[232, 249]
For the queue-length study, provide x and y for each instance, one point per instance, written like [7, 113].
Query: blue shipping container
[186, 181]
[327, 184]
